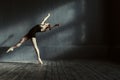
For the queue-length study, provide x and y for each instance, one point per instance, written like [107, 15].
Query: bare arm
[45, 18]
[54, 26]
[50, 27]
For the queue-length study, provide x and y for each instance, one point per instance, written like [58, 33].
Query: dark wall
[114, 25]
[83, 33]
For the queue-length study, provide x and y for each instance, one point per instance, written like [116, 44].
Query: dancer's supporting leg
[18, 44]
[36, 49]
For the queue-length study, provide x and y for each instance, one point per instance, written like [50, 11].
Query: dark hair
[56, 25]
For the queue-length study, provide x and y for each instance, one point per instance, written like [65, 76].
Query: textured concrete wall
[83, 32]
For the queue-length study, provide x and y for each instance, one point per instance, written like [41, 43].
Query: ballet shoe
[40, 61]
[10, 49]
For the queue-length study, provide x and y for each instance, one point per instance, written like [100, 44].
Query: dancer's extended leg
[36, 49]
[18, 44]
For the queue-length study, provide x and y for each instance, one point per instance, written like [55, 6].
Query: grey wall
[83, 33]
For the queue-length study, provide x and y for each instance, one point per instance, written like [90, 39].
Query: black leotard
[32, 31]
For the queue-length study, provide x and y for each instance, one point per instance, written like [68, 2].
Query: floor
[60, 70]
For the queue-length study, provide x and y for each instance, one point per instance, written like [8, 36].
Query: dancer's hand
[10, 49]
[48, 14]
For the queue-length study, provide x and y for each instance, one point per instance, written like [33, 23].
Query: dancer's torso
[33, 31]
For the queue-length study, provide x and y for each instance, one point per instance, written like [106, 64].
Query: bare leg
[18, 44]
[36, 49]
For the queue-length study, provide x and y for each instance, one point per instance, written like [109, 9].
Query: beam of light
[60, 39]
[62, 15]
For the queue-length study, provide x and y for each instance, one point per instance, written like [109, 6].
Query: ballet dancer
[42, 27]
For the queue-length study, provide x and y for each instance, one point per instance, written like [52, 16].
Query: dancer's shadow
[9, 37]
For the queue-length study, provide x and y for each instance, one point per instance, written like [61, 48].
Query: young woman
[42, 27]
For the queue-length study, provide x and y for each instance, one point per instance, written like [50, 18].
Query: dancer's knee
[19, 44]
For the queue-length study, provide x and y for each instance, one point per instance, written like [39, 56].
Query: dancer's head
[47, 26]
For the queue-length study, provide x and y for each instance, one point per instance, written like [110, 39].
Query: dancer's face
[44, 26]
[47, 24]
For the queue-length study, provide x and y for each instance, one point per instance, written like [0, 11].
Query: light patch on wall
[65, 37]
[83, 27]
[62, 15]
[60, 39]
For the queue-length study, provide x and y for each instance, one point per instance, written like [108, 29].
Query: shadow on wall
[3, 51]
[7, 40]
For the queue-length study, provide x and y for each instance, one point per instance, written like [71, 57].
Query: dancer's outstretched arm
[56, 25]
[45, 18]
